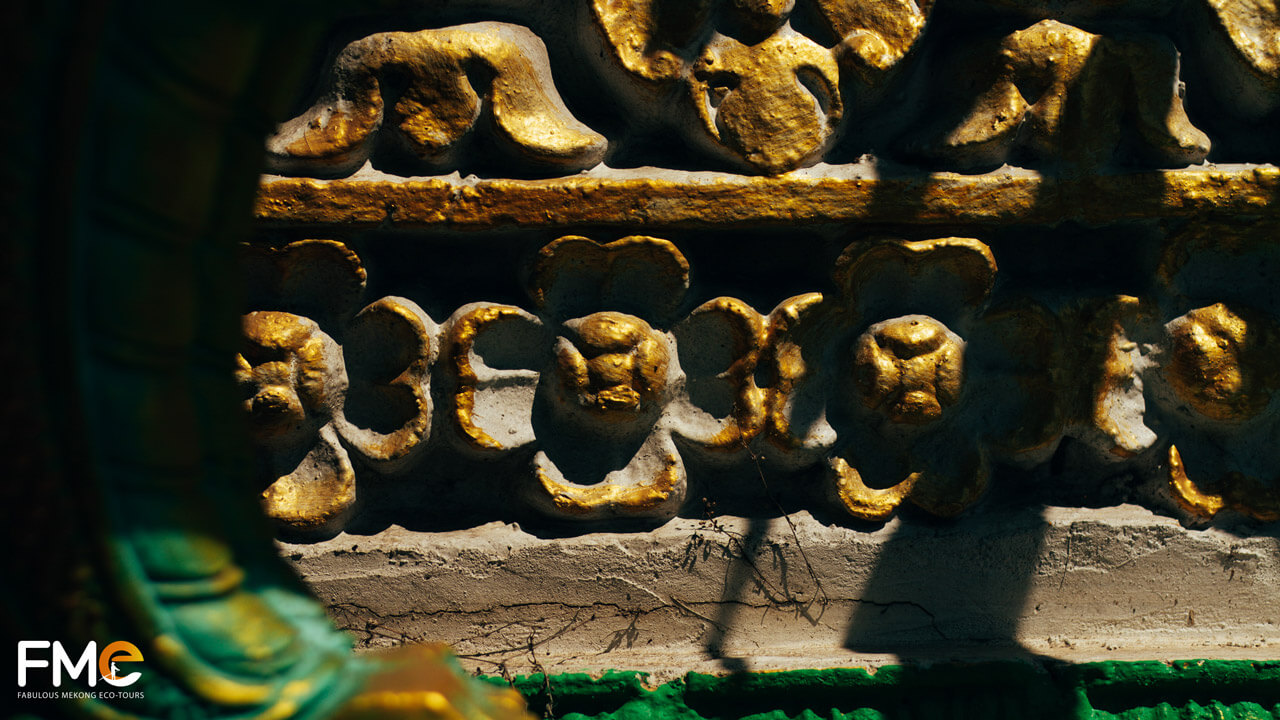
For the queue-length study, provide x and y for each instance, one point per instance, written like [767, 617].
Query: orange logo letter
[118, 651]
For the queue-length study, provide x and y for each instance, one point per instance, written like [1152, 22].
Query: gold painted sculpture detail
[1219, 362]
[909, 369]
[775, 105]
[308, 400]
[1064, 95]
[767, 86]
[646, 36]
[444, 102]
[1221, 366]
[1199, 386]
[290, 370]
[599, 389]
[891, 404]
[771, 86]
[615, 367]
[766, 97]
[905, 384]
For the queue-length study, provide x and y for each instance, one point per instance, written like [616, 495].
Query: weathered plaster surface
[709, 595]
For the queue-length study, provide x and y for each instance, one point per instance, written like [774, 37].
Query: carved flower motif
[1201, 378]
[305, 397]
[615, 368]
[1221, 366]
[897, 407]
[595, 388]
[909, 368]
[292, 373]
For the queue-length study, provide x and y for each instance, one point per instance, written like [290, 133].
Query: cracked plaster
[712, 595]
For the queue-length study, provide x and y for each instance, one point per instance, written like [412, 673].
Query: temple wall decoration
[692, 338]
[904, 370]
[959, 314]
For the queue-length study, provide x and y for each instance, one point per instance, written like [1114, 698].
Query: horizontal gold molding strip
[687, 199]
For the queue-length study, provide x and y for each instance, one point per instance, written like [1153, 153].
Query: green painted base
[1186, 689]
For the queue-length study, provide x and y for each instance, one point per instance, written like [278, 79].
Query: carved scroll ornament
[486, 78]
[766, 97]
[761, 94]
[613, 383]
[1063, 95]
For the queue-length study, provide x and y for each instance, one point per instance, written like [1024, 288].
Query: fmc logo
[119, 651]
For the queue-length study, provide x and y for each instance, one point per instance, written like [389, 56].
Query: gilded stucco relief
[766, 97]
[770, 87]
[891, 409]
[655, 287]
[889, 269]
[906, 390]
[1200, 375]
[311, 402]
[487, 78]
[601, 392]
[1058, 94]
[907, 362]
[911, 379]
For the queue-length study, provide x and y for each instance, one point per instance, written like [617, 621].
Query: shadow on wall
[938, 590]
[948, 588]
